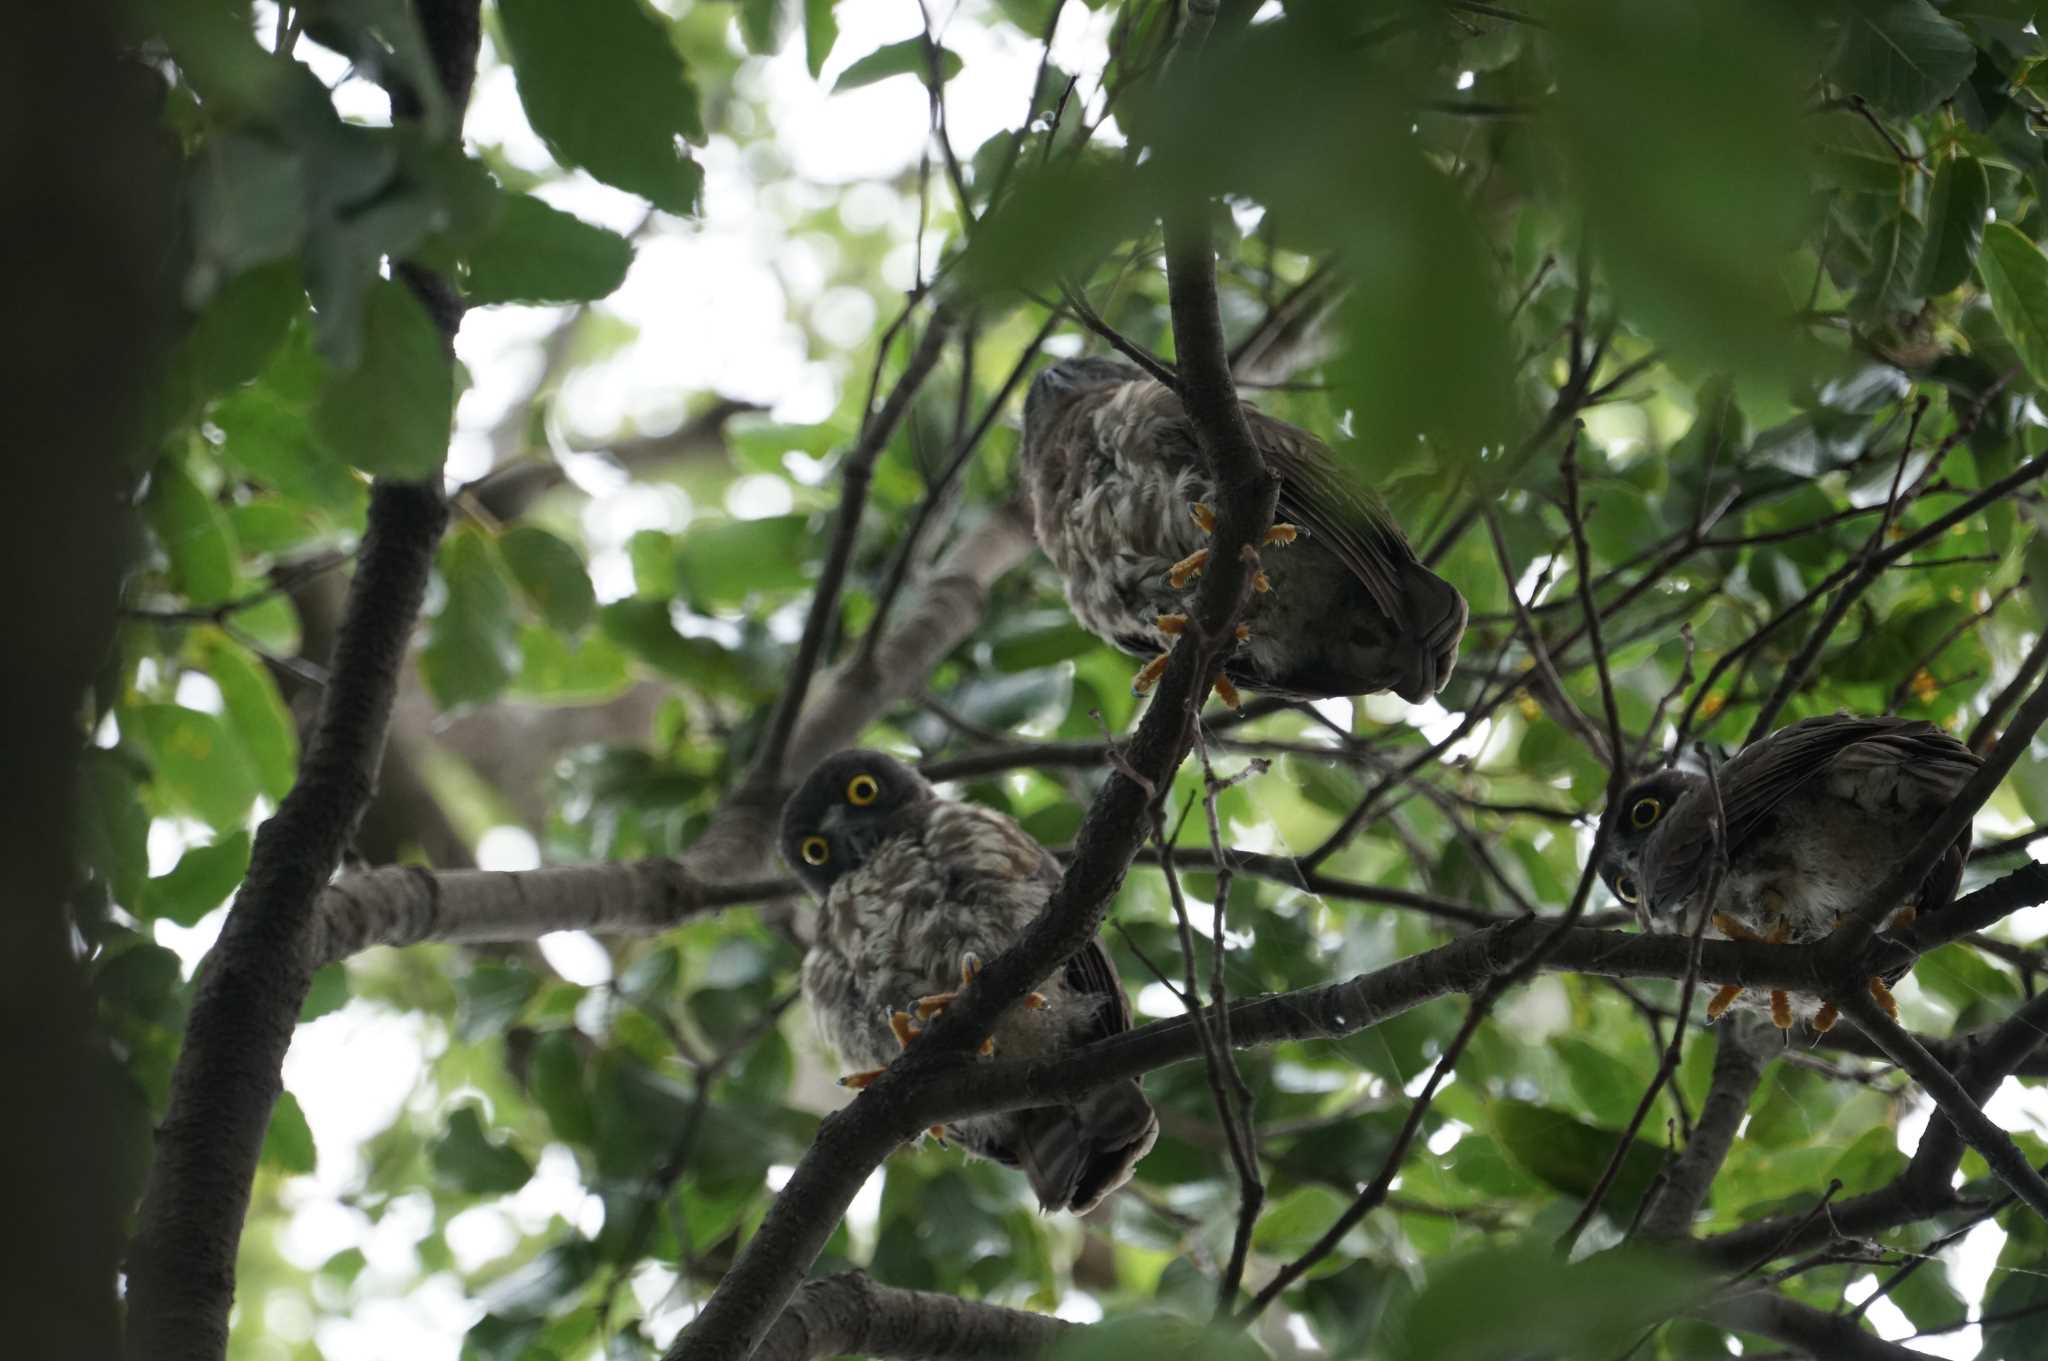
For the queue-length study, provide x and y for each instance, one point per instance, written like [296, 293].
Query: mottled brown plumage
[911, 888]
[1112, 467]
[1816, 813]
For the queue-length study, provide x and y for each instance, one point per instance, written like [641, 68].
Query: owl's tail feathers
[1075, 1155]
[1438, 614]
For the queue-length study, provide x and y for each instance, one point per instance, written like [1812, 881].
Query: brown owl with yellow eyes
[1816, 814]
[913, 892]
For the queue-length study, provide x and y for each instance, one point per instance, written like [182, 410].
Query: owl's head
[1644, 806]
[1057, 384]
[843, 811]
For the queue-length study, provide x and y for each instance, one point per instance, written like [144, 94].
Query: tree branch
[1833, 1336]
[1737, 1069]
[181, 1268]
[848, 1314]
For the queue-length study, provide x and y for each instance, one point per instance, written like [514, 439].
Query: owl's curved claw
[1883, 993]
[1149, 674]
[1781, 1010]
[1279, 536]
[901, 1027]
[861, 1079]
[1723, 1000]
[1824, 1019]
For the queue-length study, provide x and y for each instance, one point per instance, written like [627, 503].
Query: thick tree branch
[1835, 1337]
[181, 1268]
[850, 1315]
[402, 905]
[1737, 1069]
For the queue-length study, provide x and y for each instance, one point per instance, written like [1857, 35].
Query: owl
[1120, 503]
[913, 892]
[1816, 813]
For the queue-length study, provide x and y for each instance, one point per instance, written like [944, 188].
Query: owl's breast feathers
[954, 879]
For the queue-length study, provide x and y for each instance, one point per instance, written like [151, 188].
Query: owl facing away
[1816, 813]
[913, 892]
[1119, 498]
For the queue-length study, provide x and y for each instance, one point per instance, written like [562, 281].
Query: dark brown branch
[181, 1266]
[1737, 1069]
[1963, 1112]
[853, 1141]
[767, 774]
[1815, 1332]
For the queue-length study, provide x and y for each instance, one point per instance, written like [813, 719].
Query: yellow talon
[1905, 917]
[1722, 1000]
[1244, 633]
[1187, 568]
[1261, 582]
[1732, 928]
[860, 1080]
[1227, 692]
[1282, 534]
[1204, 518]
[1148, 675]
[1173, 624]
[1781, 1011]
[1884, 998]
[900, 1025]
[1824, 1019]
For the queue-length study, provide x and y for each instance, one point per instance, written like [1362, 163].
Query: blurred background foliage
[1779, 259]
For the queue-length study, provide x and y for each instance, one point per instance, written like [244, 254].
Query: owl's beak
[852, 832]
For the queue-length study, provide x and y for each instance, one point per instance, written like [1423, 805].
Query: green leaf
[113, 827]
[1676, 119]
[202, 880]
[199, 766]
[249, 207]
[1526, 1301]
[389, 415]
[1569, 1154]
[255, 711]
[551, 575]
[821, 30]
[2015, 273]
[1298, 1219]
[537, 253]
[1901, 55]
[288, 1143]
[605, 89]
[761, 25]
[554, 668]
[472, 647]
[1607, 1086]
[1955, 224]
[328, 993]
[906, 58]
[1890, 285]
[556, 1079]
[2018, 1300]
[492, 997]
[725, 562]
[470, 1160]
[643, 628]
[242, 325]
[267, 431]
[193, 532]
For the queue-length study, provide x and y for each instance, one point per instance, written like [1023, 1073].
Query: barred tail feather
[1075, 1155]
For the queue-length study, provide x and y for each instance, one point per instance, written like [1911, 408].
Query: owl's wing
[1347, 521]
[1883, 763]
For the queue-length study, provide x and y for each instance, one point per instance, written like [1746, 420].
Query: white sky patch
[577, 956]
[170, 837]
[190, 943]
[759, 495]
[1158, 1001]
[555, 1188]
[1446, 1138]
[507, 848]
[1078, 1306]
[425, 1324]
[778, 1176]
[352, 1071]
[864, 1213]
[479, 1235]
[198, 691]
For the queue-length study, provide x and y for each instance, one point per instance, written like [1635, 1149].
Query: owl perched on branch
[1120, 502]
[1817, 813]
[914, 891]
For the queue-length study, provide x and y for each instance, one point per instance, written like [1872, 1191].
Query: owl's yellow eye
[862, 790]
[1645, 812]
[1625, 886]
[815, 850]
